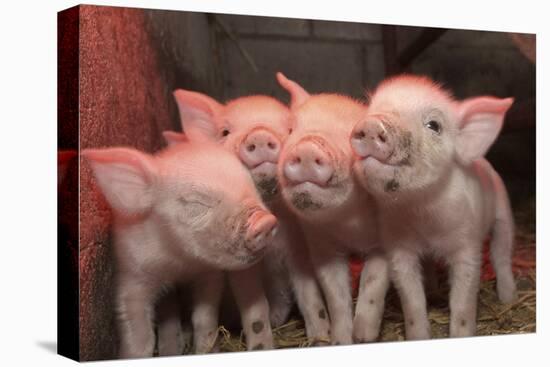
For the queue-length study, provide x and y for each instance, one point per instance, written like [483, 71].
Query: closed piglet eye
[194, 209]
[434, 125]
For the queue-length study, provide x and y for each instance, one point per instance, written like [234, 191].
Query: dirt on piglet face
[268, 187]
[422, 137]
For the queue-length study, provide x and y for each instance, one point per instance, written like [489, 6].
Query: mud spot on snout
[405, 142]
[268, 188]
[404, 148]
[304, 201]
[391, 186]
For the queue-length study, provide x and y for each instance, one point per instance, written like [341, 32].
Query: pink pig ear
[172, 137]
[480, 122]
[298, 95]
[124, 176]
[198, 114]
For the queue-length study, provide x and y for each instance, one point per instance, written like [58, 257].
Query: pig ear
[172, 137]
[124, 176]
[198, 114]
[480, 121]
[298, 95]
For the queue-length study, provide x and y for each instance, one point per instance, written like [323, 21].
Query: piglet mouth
[267, 169]
[265, 164]
[261, 229]
[304, 185]
[370, 160]
[364, 155]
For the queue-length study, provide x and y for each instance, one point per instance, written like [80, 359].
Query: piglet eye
[225, 132]
[194, 208]
[434, 125]
[290, 130]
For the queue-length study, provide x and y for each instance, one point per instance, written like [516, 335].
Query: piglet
[315, 173]
[420, 154]
[254, 129]
[181, 215]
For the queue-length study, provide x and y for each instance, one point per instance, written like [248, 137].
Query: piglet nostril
[359, 135]
[251, 147]
[318, 162]
[382, 137]
[271, 145]
[296, 160]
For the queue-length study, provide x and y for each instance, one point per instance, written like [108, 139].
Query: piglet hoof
[259, 337]
[461, 328]
[415, 331]
[507, 292]
[365, 330]
[365, 335]
[320, 342]
[261, 344]
[341, 340]
[278, 314]
[207, 343]
[171, 347]
[318, 334]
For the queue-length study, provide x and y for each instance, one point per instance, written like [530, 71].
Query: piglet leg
[253, 306]
[308, 295]
[406, 274]
[502, 243]
[204, 316]
[170, 336]
[369, 310]
[135, 310]
[333, 274]
[464, 281]
[278, 290]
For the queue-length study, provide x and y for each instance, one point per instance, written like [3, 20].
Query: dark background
[130, 61]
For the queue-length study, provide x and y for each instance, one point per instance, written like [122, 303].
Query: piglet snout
[308, 163]
[372, 138]
[258, 147]
[262, 225]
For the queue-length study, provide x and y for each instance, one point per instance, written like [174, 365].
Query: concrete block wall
[327, 56]
[348, 57]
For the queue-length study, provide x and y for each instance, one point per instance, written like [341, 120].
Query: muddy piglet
[420, 154]
[338, 218]
[181, 215]
[254, 129]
